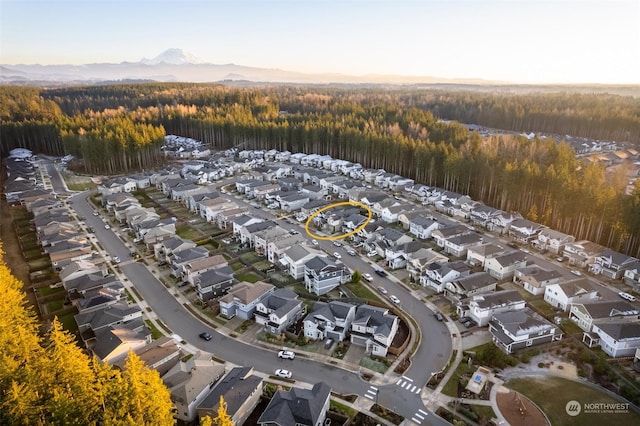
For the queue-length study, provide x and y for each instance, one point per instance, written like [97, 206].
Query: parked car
[337, 244]
[368, 277]
[285, 374]
[627, 296]
[286, 355]
[107, 227]
[462, 320]
[560, 259]
[380, 272]
[116, 259]
[439, 316]
[382, 290]
[576, 273]
[328, 343]
[470, 323]
[351, 252]
[204, 335]
[394, 299]
[314, 242]
[95, 213]
[337, 255]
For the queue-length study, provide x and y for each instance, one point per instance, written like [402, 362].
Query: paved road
[402, 397]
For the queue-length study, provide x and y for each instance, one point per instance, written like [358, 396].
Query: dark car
[438, 316]
[462, 320]
[381, 272]
[470, 323]
[328, 343]
[204, 335]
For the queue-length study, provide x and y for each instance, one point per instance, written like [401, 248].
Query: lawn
[544, 308]
[46, 291]
[68, 322]
[155, 333]
[362, 291]
[540, 388]
[249, 277]
[55, 305]
[186, 232]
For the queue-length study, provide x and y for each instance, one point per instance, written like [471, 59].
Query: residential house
[263, 238]
[469, 285]
[398, 256]
[314, 192]
[277, 248]
[300, 407]
[162, 230]
[240, 389]
[438, 274]
[419, 261]
[582, 253]
[243, 298]
[211, 208]
[457, 246]
[321, 275]
[478, 255]
[114, 342]
[534, 279]
[293, 202]
[374, 328]
[295, 258]
[189, 382]
[632, 275]
[552, 240]
[163, 250]
[225, 218]
[279, 310]
[503, 266]
[482, 215]
[442, 234]
[482, 307]
[180, 258]
[422, 227]
[204, 194]
[524, 230]
[515, 330]
[612, 264]
[116, 185]
[329, 320]
[202, 265]
[617, 339]
[501, 222]
[588, 314]
[161, 355]
[563, 295]
[213, 283]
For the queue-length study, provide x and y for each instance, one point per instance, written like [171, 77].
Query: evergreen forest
[413, 132]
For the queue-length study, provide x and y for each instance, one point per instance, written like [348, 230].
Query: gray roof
[175, 242]
[281, 301]
[296, 406]
[539, 274]
[377, 318]
[610, 308]
[112, 314]
[450, 231]
[296, 253]
[511, 258]
[236, 387]
[330, 311]
[523, 322]
[621, 330]
[577, 287]
[477, 280]
[497, 298]
[108, 339]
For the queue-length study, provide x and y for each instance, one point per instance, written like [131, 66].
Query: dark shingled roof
[297, 406]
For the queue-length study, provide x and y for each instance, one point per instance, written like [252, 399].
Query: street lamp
[377, 392]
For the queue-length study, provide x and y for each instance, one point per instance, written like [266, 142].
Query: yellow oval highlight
[330, 206]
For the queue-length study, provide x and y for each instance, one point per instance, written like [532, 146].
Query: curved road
[402, 397]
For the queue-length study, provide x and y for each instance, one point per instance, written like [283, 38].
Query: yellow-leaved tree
[223, 418]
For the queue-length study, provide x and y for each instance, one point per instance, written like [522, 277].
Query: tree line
[119, 128]
[48, 380]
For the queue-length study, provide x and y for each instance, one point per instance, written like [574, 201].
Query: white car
[394, 299]
[368, 277]
[116, 259]
[383, 290]
[337, 255]
[314, 242]
[95, 213]
[576, 273]
[107, 227]
[285, 374]
[286, 355]
[337, 244]
[627, 296]
[351, 252]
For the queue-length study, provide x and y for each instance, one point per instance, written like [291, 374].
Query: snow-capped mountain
[173, 56]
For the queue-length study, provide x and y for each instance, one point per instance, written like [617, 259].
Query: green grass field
[249, 277]
[552, 394]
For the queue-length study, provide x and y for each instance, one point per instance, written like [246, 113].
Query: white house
[374, 328]
[482, 307]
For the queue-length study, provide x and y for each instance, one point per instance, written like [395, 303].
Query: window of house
[529, 342]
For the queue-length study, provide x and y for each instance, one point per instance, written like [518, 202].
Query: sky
[521, 41]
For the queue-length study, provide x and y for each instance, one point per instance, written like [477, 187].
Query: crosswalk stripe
[369, 396]
[418, 390]
[421, 411]
[407, 378]
[407, 385]
[413, 419]
[419, 416]
[413, 388]
[399, 381]
[373, 388]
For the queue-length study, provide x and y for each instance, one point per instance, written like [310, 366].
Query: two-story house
[329, 320]
[482, 307]
[515, 330]
[279, 310]
[213, 283]
[298, 407]
[503, 266]
[617, 339]
[469, 285]
[374, 328]
[438, 274]
[457, 246]
[612, 264]
[322, 275]
[563, 295]
[534, 279]
[588, 314]
[242, 299]
[552, 240]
